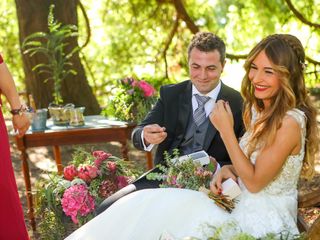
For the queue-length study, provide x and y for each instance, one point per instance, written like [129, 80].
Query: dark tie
[199, 115]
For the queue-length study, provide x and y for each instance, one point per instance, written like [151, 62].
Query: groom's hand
[154, 134]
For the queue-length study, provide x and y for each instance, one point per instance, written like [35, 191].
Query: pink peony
[87, 173]
[70, 172]
[147, 89]
[122, 181]
[77, 200]
[112, 166]
[100, 157]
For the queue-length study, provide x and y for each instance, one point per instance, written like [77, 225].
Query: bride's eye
[252, 66]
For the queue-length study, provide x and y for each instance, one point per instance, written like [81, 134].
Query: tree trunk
[33, 17]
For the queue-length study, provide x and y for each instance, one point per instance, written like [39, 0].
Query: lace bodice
[286, 181]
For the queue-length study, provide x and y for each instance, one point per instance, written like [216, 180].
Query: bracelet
[18, 111]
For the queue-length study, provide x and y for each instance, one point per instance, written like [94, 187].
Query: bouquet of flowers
[86, 182]
[190, 174]
[132, 100]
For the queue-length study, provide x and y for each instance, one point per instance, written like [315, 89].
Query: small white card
[202, 157]
[230, 188]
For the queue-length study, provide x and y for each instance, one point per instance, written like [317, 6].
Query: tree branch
[310, 60]
[235, 56]
[300, 16]
[185, 17]
[87, 24]
[168, 42]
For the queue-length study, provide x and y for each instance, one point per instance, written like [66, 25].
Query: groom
[180, 117]
[175, 121]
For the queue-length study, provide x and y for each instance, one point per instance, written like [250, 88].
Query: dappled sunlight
[40, 158]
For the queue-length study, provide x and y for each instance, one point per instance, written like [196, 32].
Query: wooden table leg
[57, 157]
[124, 150]
[149, 160]
[26, 175]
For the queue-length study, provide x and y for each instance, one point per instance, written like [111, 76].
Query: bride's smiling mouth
[260, 88]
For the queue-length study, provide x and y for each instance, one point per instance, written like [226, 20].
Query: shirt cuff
[217, 169]
[146, 148]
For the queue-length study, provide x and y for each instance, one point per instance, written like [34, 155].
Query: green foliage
[9, 42]
[230, 230]
[81, 156]
[185, 174]
[53, 224]
[50, 227]
[53, 46]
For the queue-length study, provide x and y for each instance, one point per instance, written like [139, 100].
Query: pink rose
[122, 181]
[70, 172]
[87, 173]
[112, 166]
[100, 157]
[93, 171]
[147, 89]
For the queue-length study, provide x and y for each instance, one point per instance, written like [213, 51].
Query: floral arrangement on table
[132, 100]
[66, 202]
[190, 174]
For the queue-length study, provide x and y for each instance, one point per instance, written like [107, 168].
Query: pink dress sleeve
[1, 61]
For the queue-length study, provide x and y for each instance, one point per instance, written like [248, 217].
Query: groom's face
[205, 69]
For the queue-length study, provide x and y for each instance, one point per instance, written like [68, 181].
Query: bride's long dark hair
[287, 57]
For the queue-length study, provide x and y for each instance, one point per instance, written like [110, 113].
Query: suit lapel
[184, 110]
[211, 132]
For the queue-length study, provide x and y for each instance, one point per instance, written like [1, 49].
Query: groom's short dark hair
[208, 42]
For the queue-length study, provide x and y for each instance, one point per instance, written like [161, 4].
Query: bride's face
[264, 78]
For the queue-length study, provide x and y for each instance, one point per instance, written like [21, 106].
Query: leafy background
[130, 37]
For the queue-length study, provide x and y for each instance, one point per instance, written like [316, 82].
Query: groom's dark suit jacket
[173, 110]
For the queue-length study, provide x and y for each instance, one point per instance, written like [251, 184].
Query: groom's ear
[223, 64]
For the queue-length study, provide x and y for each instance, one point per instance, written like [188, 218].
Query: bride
[279, 145]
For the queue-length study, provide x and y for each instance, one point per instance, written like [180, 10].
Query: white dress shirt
[213, 94]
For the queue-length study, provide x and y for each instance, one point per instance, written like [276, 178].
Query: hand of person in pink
[20, 123]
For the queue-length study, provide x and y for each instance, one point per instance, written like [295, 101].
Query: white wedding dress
[170, 213]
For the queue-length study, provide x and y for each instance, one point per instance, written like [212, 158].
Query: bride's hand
[224, 173]
[221, 117]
